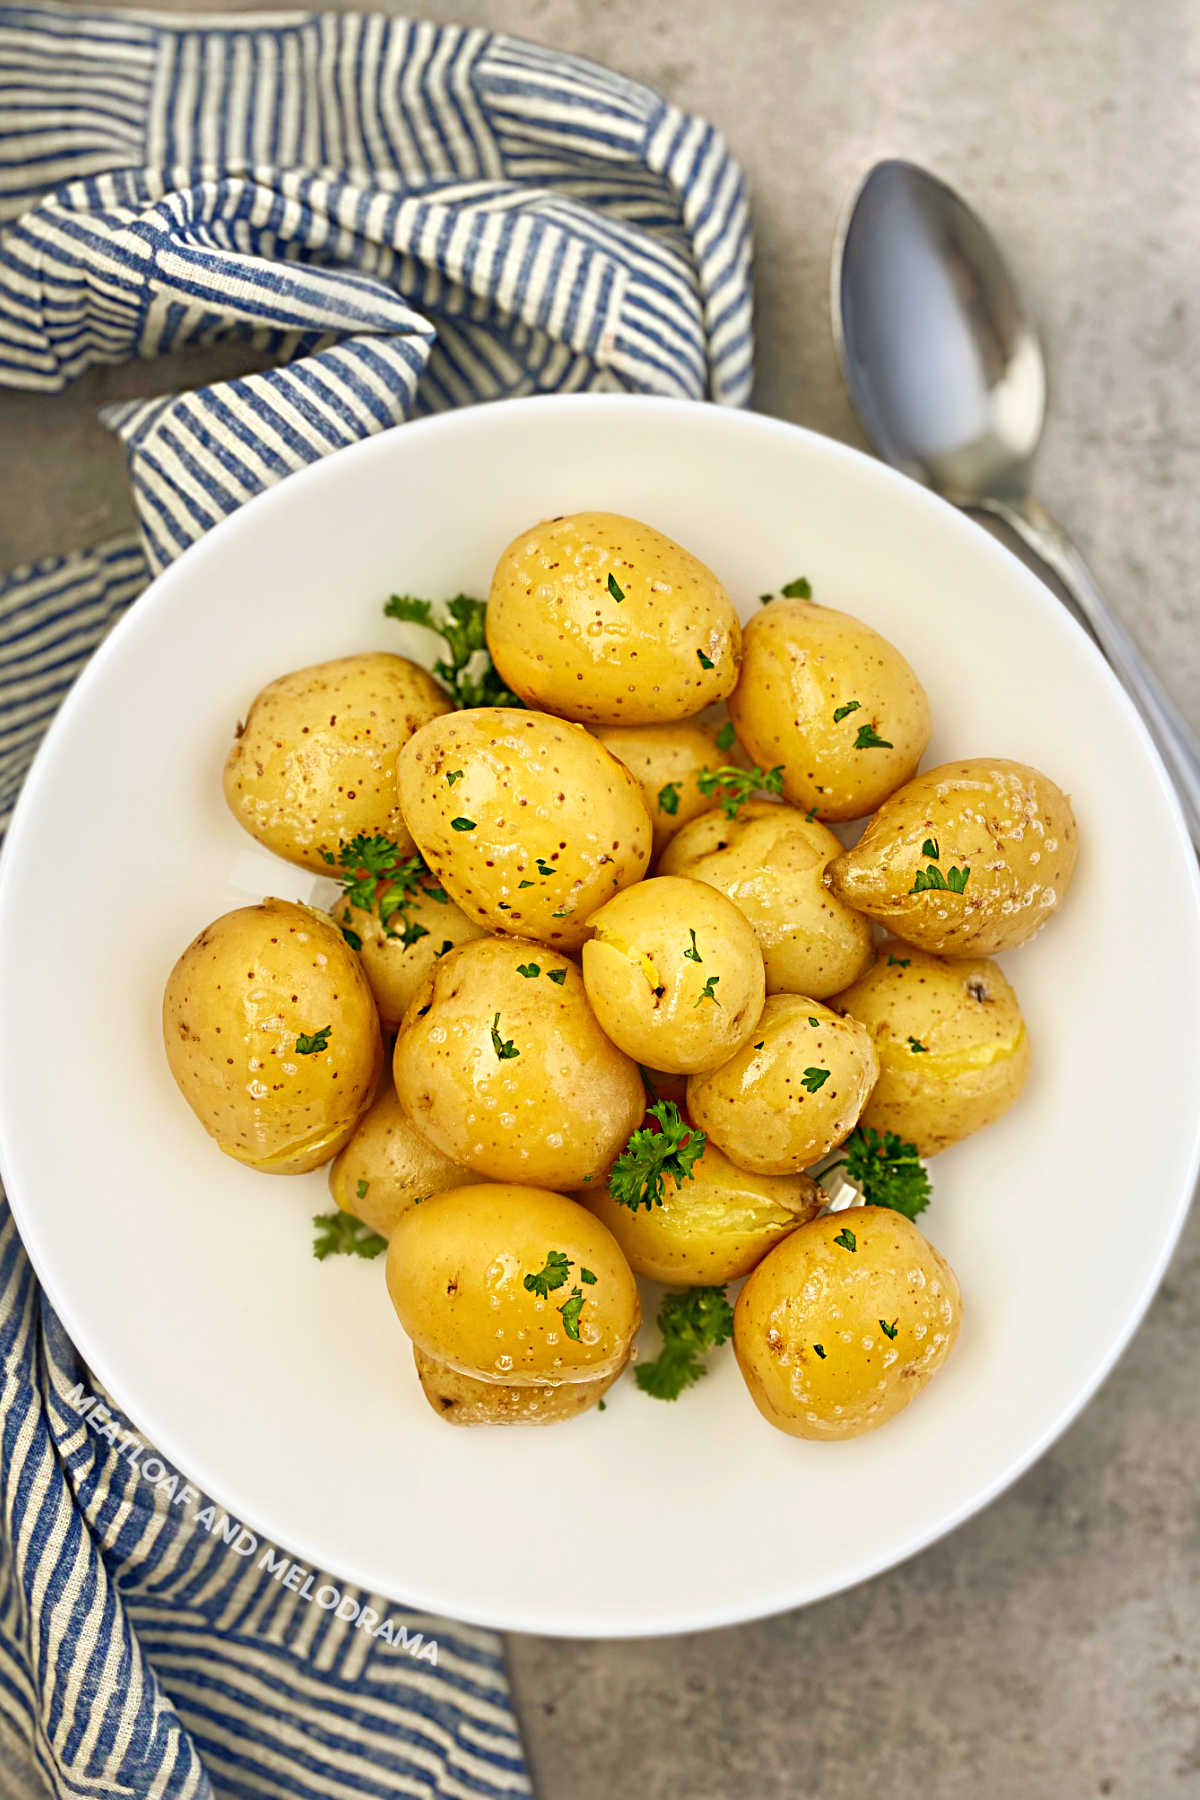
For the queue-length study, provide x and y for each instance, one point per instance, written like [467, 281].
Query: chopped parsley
[307, 1045]
[709, 992]
[930, 848]
[614, 588]
[462, 824]
[447, 945]
[706, 662]
[466, 668]
[556, 975]
[543, 867]
[351, 937]
[668, 798]
[869, 739]
[651, 1155]
[524, 884]
[843, 712]
[693, 955]
[361, 1189]
[820, 1350]
[341, 1234]
[810, 815]
[725, 738]
[504, 1047]
[528, 970]
[916, 1046]
[814, 1079]
[732, 787]
[846, 1239]
[889, 1331]
[692, 1324]
[898, 962]
[800, 589]
[453, 775]
[954, 881]
[552, 1274]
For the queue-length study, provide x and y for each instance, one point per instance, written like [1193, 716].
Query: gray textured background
[1048, 1650]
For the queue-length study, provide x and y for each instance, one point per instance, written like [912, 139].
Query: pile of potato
[601, 905]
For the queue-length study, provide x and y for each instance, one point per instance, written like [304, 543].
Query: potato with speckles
[603, 619]
[465, 1400]
[500, 1062]
[969, 859]
[952, 1046]
[834, 702]
[711, 1229]
[513, 1284]
[771, 862]
[387, 1166]
[314, 764]
[667, 760]
[272, 1036]
[528, 822]
[674, 974]
[397, 957]
[844, 1323]
[794, 1093]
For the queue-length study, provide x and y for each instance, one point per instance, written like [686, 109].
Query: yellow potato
[528, 822]
[513, 1284]
[603, 619]
[501, 1064]
[272, 1035]
[387, 1166]
[952, 1047]
[793, 1093]
[802, 664]
[465, 1400]
[397, 957]
[771, 862]
[841, 1325]
[674, 974]
[1004, 823]
[314, 764]
[712, 1229]
[667, 759]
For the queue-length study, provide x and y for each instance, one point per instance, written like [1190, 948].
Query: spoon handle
[1173, 737]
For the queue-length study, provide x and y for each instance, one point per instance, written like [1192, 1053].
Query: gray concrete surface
[1049, 1649]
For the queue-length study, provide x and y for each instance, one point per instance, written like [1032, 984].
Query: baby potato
[603, 619]
[315, 762]
[952, 1047]
[793, 1093]
[1001, 828]
[712, 1229]
[527, 821]
[834, 702]
[501, 1064]
[272, 1035]
[465, 1400]
[771, 862]
[674, 974]
[513, 1284]
[844, 1322]
[397, 957]
[666, 759]
[387, 1166]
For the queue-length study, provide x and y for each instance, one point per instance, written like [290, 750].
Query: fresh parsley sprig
[341, 1234]
[887, 1171]
[651, 1155]
[692, 1324]
[732, 787]
[466, 668]
[377, 877]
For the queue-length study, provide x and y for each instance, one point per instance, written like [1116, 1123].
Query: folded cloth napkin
[401, 218]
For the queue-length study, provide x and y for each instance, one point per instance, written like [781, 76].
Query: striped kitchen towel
[396, 218]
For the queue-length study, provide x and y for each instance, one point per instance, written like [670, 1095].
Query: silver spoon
[946, 374]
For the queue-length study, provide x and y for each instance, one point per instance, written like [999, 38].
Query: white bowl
[283, 1387]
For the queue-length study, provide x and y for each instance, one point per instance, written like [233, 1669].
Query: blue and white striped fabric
[397, 218]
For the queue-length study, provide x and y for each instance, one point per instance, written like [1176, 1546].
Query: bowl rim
[161, 1431]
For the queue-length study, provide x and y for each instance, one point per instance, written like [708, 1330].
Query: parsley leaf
[307, 1045]
[377, 876]
[725, 738]
[528, 970]
[462, 824]
[543, 867]
[846, 1239]
[651, 1155]
[360, 1189]
[706, 662]
[466, 668]
[708, 993]
[889, 1331]
[453, 775]
[820, 1350]
[732, 787]
[614, 588]
[843, 712]
[668, 798]
[800, 589]
[556, 975]
[552, 1274]
[898, 962]
[351, 937]
[916, 1046]
[341, 1234]
[930, 848]
[693, 955]
[813, 1079]
[954, 881]
[869, 739]
[570, 1311]
[886, 1170]
[810, 815]
[505, 1048]
[692, 1324]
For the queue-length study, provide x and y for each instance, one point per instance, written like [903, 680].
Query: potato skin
[315, 763]
[975, 1057]
[552, 1115]
[235, 1006]
[666, 759]
[456, 1269]
[534, 794]
[756, 1107]
[563, 641]
[801, 663]
[712, 1229]
[393, 970]
[1007, 823]
[771, 862]
[812, 1290]
[396, 1165]
[647, 985]
[465, 1400]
